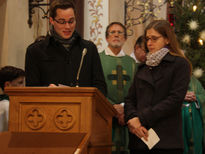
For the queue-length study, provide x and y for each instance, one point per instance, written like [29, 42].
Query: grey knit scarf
[154, 59]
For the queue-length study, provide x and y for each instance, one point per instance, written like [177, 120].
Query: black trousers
[157, 151]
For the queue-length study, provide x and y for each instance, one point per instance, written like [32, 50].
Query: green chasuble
[193, 119]
[119, 73]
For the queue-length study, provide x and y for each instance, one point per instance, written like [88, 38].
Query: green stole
[193, 120]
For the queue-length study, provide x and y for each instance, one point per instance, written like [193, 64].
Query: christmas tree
[189, 23]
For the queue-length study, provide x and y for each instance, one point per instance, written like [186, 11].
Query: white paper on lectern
[153, 139]
[62, 85]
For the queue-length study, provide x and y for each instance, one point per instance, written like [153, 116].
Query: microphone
[81, 62]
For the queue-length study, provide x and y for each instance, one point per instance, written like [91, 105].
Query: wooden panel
[79, 4]
[1, 2]
[48, 114]
[41, 143]
[59, 110]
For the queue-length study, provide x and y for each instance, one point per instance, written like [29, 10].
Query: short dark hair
[139, 42]
[10, 73]
[116, 23]
[60, 4]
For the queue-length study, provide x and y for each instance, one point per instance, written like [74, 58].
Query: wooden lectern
[73, 110]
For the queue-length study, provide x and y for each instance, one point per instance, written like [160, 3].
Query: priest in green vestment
[192, 113]
[119, 70]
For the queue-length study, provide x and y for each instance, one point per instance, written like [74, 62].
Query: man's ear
[51, 20]
[7, 84]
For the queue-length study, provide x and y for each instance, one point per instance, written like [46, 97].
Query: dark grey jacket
[49, 62]
[156, 97]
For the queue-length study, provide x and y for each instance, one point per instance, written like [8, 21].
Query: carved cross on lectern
[35, 118]
[64, 118]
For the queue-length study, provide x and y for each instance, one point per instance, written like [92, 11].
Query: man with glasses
[63, 57]
[119, 72]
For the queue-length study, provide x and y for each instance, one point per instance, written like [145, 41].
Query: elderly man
[119, 71]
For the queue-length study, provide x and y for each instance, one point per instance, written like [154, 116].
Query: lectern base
[40, 143]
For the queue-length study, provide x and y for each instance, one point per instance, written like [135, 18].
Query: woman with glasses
[155, 98]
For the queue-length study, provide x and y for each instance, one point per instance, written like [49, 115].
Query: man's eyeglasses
[152, 38]
[63, 22]
[116, 32]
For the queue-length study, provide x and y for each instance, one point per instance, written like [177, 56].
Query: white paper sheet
[153, 139]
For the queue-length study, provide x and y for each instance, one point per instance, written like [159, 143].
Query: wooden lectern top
[59, 91]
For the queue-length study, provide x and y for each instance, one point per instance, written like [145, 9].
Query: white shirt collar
[110, 53]
[133, 56]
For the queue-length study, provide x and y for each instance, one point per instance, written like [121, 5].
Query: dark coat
[49, 62]
[156, 97]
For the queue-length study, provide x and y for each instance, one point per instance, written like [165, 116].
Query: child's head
[11, 76]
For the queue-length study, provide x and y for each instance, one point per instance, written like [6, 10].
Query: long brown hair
[164, 28]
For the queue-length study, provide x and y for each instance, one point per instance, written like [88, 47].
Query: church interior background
[16, 34]
[18, 28]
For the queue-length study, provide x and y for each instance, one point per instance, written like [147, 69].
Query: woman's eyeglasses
[152, 38]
